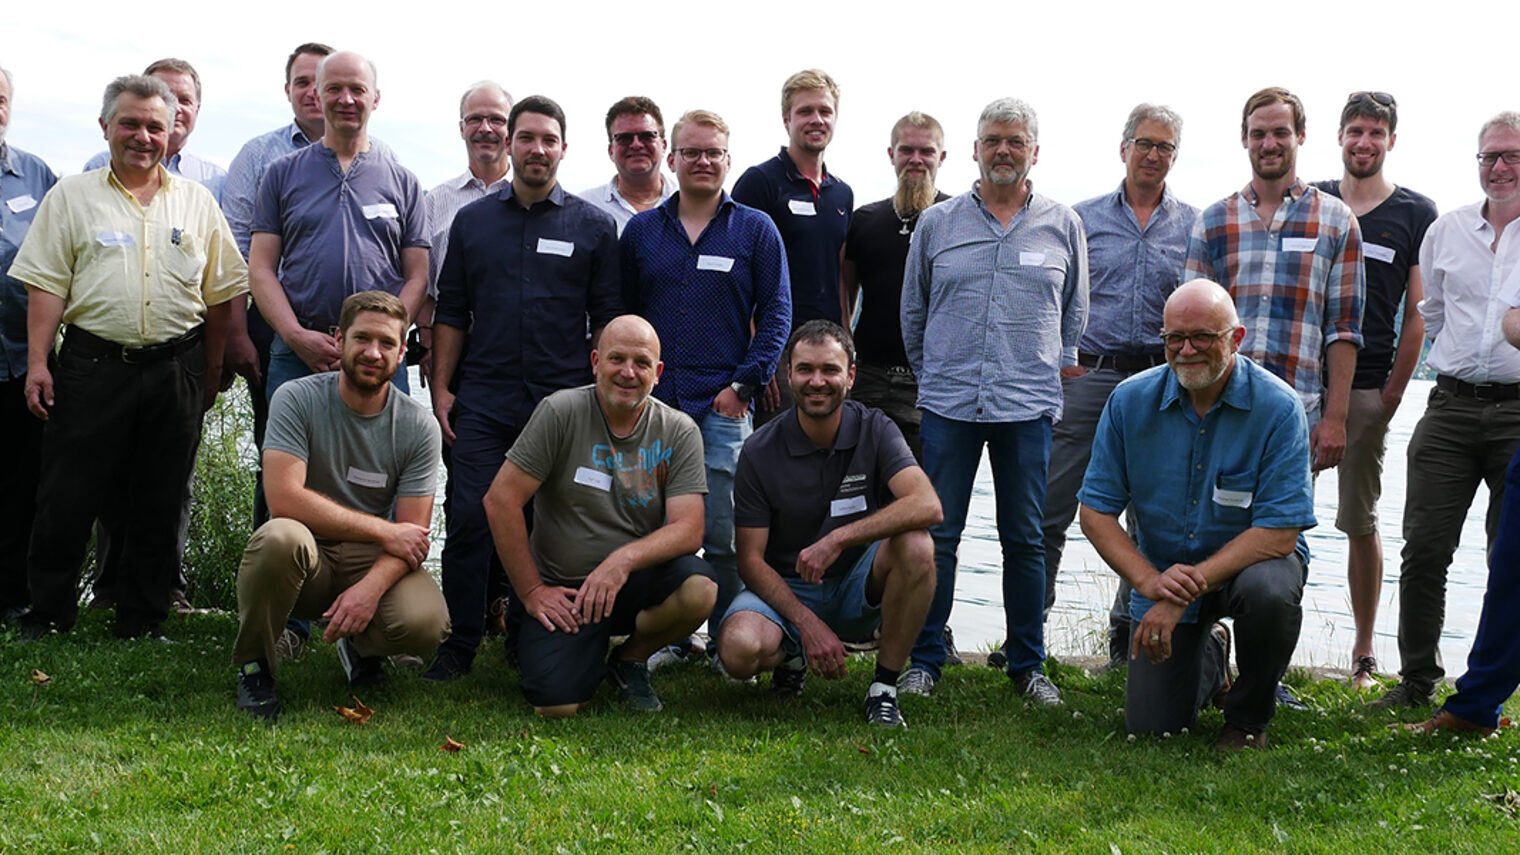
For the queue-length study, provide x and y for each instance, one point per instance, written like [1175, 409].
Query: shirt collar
[6, 164]
[556, 194]
[297, 136]
[672, 204]
[976, 193]
[166, 179]
[798, 444]
[468, 180]
[1294, 193]
[791, 170]
[1237, 392]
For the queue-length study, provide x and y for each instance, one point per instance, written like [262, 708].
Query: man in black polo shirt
[875, 253]
[529, 269]
[810, 207]
[832, 518]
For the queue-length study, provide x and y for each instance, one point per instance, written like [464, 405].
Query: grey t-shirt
[360, 462]
[600, 492]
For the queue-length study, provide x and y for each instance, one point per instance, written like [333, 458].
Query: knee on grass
[746, 643]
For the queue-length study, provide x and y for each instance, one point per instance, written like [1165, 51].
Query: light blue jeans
[722, 438]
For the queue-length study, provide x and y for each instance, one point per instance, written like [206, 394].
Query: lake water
[1079, 621]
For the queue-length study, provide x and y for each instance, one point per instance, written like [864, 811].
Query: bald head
[627, 366]
[1203, 300]
[630, 330]
[1202, 333]
[346, 62]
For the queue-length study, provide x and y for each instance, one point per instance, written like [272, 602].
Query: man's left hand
[1327, 443]
[598, 594]
[816, 559]
[351, 612]
[1154, 634]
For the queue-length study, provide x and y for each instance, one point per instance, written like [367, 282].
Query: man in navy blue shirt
[699, 268]
[810, 207]
[528, 271]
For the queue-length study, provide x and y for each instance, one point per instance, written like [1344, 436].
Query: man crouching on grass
[342, 450]
[832, 516]
[617, 483]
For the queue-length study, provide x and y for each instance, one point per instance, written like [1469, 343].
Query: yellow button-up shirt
[127, 273]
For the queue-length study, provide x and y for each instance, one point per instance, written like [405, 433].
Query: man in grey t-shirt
[617, 480]
[349, 470]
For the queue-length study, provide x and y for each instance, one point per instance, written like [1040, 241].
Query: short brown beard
[914, 194]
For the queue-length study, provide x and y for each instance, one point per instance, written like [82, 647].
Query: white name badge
[593, 478]
[1232, 498]
[115, 239]
[1031, 259]
[845, 507]
[555, 247]
[1299, 244]
[720, 263]
[1378, 251]
[21, 203]
[802, 208]
[384, 209]
[366, 479]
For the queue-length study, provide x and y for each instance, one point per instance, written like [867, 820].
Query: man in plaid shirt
[1292, 257]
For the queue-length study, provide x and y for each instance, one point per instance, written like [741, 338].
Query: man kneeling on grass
[832, 516]
[617, 483]
[1211, 453]
[349, 470]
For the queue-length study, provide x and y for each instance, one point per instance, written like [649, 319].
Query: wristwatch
[745, 391]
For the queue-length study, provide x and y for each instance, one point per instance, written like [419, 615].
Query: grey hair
[1507, 119]
[140, 85]
[1010, 110]
[479, 85]
[9, 80]
[1153, 113]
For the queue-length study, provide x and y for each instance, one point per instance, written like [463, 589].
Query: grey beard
[913, 196]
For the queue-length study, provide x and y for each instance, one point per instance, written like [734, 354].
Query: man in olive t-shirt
[617, 480]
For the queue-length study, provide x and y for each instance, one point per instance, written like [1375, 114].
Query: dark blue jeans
[1493, 666]
[1020, 454]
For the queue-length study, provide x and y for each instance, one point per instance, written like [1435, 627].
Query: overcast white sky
[1081, 65]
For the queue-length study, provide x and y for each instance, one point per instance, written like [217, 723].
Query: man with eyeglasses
[1136, 244]
[1470, 261]
[706, 271]
[636, 146]
[994, 299]
[810, 207]
[1393, 220]
[1211, 456]
[529, 269]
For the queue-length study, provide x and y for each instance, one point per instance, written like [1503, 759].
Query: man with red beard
[1212, 455]
[1393, 221]
[875, 253]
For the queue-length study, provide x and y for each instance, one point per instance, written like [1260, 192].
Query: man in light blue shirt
[185, 83]
[994, 296]
[636, 146]
[1212, 455]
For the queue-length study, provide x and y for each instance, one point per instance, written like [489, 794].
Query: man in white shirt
[636, 146]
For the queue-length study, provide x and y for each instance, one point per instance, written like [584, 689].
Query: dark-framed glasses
[1489, 158]
[626, 139]
[1144, 146]
[1200, 340]
[692, 155]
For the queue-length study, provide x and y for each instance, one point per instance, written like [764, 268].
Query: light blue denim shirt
[1133, 270]
[183, 164]
[988, 312]
[24, 180]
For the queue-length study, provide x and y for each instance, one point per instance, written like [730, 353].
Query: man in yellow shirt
[140, 266]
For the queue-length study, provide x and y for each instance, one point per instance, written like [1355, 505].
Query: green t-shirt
[600, 492]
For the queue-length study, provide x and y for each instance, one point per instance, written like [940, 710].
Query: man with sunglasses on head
[1470, 261]
[1393, 221]
[710, 275]
[1211, 454]
[636, 146]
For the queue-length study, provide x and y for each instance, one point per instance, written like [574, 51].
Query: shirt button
[1199, 466]
[1195, 501]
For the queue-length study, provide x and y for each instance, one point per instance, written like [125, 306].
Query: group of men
[547, 321]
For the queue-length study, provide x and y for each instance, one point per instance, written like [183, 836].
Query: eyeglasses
[626, 139]
[493, 121]
[692, 155]
[1379, 97]
[1199, 340]
[1144, 146]
[1489, 158]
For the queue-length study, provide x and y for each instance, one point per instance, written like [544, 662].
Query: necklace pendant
[905, 230]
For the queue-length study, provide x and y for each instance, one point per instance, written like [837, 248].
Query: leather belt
[87, 344]
[1478, 391]
[1125, 363]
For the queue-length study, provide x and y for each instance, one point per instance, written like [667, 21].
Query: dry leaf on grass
[359, 714]
[450, 745]
[39, 678]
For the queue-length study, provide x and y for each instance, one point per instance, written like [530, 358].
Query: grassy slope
[137, 747]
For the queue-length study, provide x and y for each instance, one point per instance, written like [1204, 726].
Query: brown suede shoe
[1444, 720]
[1237, 738]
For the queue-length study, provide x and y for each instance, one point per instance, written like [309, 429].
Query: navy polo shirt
[813, 221]
[526, 284]
[700, 297]
[801, 492]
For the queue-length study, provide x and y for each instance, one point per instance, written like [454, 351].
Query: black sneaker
[446, 667]
[632, 682]
[362, 671]
[789, 678]
[952, 656]
[881, 707]
[255, 691]
[998, 659]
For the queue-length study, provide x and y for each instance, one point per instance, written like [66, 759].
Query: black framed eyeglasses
[1144, 146]
[692, 155]
[1489, 158]
[1200, 341]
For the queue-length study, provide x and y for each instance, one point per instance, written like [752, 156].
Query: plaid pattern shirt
[1297, 281]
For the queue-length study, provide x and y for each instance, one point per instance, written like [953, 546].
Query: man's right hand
[1072, 372]
[825, 653]
[39, 392]
[554, 607]
[443, 405]
[730, 404]
[242, 359]
[407, 541]
[318, 350]
[1180, 584]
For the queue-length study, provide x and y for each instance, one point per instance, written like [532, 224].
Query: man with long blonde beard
[1212, 455]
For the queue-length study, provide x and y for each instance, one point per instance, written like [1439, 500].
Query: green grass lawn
[137, 747]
